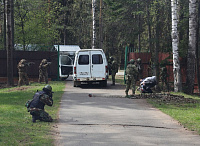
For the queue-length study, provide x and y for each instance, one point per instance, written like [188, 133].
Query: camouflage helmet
[23, 60]
[132, 61]
[48, 88]
[138, 60]
[111, 58]
[44, 61]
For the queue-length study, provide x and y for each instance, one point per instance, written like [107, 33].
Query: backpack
[28, 103]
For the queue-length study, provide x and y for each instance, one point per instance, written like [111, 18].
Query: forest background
[144, 25]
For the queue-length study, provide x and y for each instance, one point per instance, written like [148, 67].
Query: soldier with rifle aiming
[22, 70]
[36, 106]
[43, 74]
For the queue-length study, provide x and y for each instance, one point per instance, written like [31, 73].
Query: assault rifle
[30, 63]
[49, 63]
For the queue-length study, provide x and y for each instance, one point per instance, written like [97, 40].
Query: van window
[83, 59]
[97, 59]
[66, 60]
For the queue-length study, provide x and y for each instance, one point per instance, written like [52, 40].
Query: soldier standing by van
[22, 70]
[43, 74]
[114, 70]
[131, 75]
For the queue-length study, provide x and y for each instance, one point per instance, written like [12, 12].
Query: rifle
[49, 63]
[30, 63]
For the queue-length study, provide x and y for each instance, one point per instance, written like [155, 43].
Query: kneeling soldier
[40, 99]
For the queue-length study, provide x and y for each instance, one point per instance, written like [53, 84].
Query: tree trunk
[197, 48]
[191, 57]
[9, 41]
[4, 23]
[149, 27]
[156, 59]
[175, 41]
[101, 26]
[93, 25]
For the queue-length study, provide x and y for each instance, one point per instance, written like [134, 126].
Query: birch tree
[191, 55]
[175, 49]
[93, 24]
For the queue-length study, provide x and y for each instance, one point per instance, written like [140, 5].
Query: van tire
[77, 84]
[103, 83]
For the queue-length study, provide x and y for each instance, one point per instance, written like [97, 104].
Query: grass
[188, 114]
[16, 128]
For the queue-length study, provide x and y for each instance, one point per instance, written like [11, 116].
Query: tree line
[145, 25]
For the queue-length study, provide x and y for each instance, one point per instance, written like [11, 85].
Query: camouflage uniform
[164, 75]
[139, 67]
[40, 99]
[131, 75]
[43, 74]
[110, 64]
[22, 70]
[114, 70]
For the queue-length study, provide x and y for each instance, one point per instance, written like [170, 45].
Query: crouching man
[148, 83]
[40, 99]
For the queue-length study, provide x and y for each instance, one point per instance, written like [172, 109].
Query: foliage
[16, 127]
[124, 21]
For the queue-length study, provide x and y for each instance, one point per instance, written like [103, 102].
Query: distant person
[43, 74]
[139, 67]
[40, 99]
[131, 75]
[148, 83]
[114, 69]
[163, 76]
[22, 70]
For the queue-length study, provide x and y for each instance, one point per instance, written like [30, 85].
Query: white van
[90, 65]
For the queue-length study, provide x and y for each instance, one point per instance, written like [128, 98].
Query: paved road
[108, 119]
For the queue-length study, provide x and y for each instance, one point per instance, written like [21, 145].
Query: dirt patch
[168, 98]
[20, 88]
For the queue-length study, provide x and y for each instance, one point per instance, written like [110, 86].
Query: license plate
[83, 73]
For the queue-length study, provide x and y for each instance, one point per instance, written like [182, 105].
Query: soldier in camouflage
[43, 74]
[22, 70]
[164, 75]
[40, 99]
[114, 69]
[131, 75]
[139, 67]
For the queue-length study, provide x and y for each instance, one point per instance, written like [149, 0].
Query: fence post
[125, 63]
[58, 62]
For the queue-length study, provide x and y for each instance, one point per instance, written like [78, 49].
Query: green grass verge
[188, 114]
[16, 127]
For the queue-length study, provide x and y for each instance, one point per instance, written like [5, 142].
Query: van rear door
[83, 69]
[97, 65]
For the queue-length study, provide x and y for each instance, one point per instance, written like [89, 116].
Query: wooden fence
[33, 70]
[146, 59]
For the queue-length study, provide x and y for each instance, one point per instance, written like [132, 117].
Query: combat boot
[34, 118]
[127, 96]
[133, 93]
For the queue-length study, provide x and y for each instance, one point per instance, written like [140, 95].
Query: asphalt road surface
[108, 119]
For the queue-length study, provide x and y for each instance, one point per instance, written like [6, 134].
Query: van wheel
[77, 84]
[103, 83]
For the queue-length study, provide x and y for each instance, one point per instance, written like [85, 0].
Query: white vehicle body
[66, 59]
[90, 65]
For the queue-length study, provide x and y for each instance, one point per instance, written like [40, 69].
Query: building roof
[67, 47]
